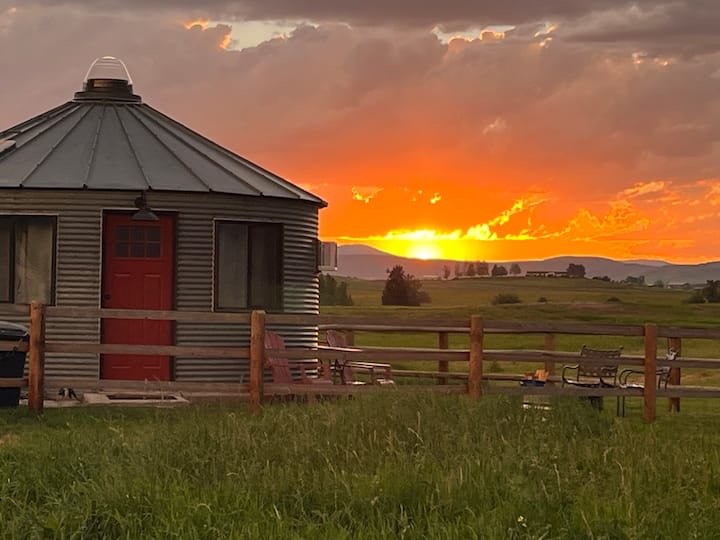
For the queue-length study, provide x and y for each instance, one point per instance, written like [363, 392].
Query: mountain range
[365, 262]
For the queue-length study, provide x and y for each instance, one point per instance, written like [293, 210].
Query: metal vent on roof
[107, 80]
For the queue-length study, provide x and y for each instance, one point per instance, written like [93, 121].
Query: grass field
[398, 464]
[394, 465]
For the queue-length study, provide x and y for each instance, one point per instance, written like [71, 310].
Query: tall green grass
[393, 465]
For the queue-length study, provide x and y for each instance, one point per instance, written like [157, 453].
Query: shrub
[506, 298]
[696, 297]
[613, 300]
[542, 300]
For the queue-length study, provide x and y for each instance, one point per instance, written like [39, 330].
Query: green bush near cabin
[391, 465]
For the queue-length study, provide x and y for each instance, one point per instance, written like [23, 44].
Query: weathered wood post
[650, 368]
[257, 359]
[674, 403]
[475, 368]
[36, 357]
[443, 365]
[550, 346]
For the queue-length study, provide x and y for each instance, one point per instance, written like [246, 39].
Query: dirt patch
[9, 439]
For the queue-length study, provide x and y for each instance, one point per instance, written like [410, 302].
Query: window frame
[279, 256]
[13, 219]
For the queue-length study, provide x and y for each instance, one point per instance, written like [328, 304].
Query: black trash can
[12, 363]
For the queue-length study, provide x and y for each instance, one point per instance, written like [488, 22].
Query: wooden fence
[477, 381]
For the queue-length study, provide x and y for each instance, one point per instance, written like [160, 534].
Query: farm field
[393, 465]
[569, 300]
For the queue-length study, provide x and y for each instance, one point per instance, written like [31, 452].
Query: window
[248, 266]
[27, 253]
[137, 241]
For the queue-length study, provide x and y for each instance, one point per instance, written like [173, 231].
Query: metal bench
[593, 374]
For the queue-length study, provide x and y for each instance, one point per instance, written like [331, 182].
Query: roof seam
[217, 147]
[203, 154]
[57, 119]
[154, 135]
[64, 136]
[93, 148]
[22, 127]
[132, 148]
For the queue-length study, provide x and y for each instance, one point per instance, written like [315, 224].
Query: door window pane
[138, 242]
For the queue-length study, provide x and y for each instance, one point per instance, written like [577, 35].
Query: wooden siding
[78, 270]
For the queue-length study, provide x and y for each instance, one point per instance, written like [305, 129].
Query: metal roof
[106, 138]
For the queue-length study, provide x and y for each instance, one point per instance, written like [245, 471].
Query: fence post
[550, 346]
[650, 368]
[443, 365]
[36, 357]
[674, 403]
[475, 367]
[257, 359]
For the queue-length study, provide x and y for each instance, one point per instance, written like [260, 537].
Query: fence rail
[474, 357]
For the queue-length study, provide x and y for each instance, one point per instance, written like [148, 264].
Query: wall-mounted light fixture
[144, 212]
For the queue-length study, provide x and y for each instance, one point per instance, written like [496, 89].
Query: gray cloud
[661, 28]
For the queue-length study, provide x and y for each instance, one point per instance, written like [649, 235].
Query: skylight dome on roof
[107, 80]
[110, 68]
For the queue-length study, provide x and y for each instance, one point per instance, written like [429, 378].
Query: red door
[137, 274]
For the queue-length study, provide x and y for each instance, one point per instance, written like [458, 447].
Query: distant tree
[498, 270]
[446, 272]
[332, 293]
[403, 289]
[602, 278]
[470, 270]
[576, 270]
[458, 270]
[482, 269]
[711, 291]
[658, 283]
[633, 280]
[515, 269]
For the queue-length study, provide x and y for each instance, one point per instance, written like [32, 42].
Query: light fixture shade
[144, 214]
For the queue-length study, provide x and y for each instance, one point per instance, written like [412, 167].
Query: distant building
[546, 273]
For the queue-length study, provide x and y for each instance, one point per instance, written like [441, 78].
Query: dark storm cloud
[451, 13]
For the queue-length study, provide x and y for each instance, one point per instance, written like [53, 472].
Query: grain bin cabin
[106, 202]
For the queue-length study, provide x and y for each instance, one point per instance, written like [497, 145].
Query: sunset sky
[466, 129]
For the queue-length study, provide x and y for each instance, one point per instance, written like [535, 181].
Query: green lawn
[395, 465]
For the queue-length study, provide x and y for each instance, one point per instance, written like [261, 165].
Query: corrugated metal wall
[79, 256]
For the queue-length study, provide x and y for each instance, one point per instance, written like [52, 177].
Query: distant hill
[369, 263]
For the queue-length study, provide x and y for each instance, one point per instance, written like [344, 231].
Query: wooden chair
[378, 373]
[282, 369]
[592, 374]
[634, 378]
